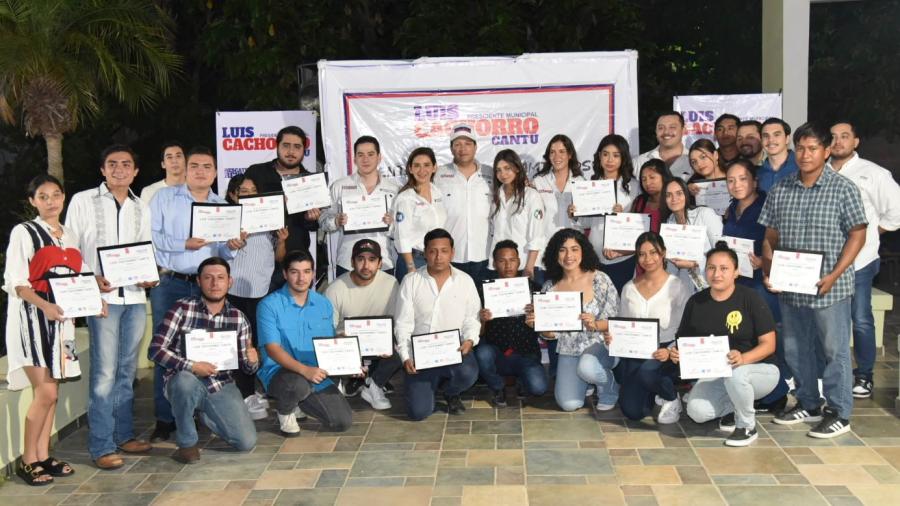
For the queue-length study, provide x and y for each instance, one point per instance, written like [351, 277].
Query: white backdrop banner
[510, 102]
[700, 111]
[244, 138]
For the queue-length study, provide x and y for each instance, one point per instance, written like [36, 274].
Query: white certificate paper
[594, 197]
[633, 337]
[365, 213]
[684, 242]
[305, 193]
[375, 334]
[743, 248]
[77, 295]
[338, 356]
[128, 264]
[622, 230]
[704, 357]
[218, 347]
[506, 297]
[262, 213]
[558, 312]
[436, 350]
[796, 271]
[714, 194]
[215, 222]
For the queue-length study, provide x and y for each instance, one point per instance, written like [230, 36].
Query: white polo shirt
[523, 225]
[414, 217]
[422, 308]
[556, 203]
[681, 167]
[881, 201]
[468, 204]
[345, 242]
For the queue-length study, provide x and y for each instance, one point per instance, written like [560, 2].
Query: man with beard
[881, 201]
[725, 131]
[749, 141]
[670, 135]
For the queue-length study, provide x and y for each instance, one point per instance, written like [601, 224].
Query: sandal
[31, 476]
[57, 468]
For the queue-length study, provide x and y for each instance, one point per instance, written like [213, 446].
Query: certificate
[128, 264]
[215, 222]
[218, 347]
[305, 193]
[558, 312]
[743, 248]
[506, 297]
[684, 242]
[365, 213]
[262, 213]
[77, 295]
[796, 271]
[633, 337]
[713, 193]
[375, 334]
[704, 357]
[622, 230]
[594, 197]
[338, 356]
[436, 350]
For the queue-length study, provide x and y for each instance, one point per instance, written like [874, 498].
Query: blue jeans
[864, 320]
[223, 412]
[493, 365]
[400, 265]
[824, 332]
[420, 387]
[476, 270]
[642, 380]
[114, 355]
[575, 372]
[162, 298]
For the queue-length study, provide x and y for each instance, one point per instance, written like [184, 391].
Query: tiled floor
[520, 455]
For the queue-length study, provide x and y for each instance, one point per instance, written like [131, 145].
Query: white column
[785, 56]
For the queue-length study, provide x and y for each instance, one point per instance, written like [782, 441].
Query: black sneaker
[388, 388]
[455, 405]
[798, 415]
[862, 388]
[742, 437]
[162, 431]
[353, 386]
[774, 407]
[499, 398]
[831, 425]
[726, 423]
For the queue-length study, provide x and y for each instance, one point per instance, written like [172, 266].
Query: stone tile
[499, 495]
[544, 445]
[488, 458]
[567, 462]
[206, 498]
[396, 481]
[295, 478]
[844, 501]
[891, 455]
[475, 414]
[641, 500]
[562, 430]
[693, 475]
[369, 465]
[633, 440]
[387, 447]
[509, 442]
[630, 490]
[557, 480]
[837, 474]
[876, 495]
[110, 483]
[446, 501]
[78, 499]
[798, 438]
[791, 479]
[427, 447]
[419, 481]
[746, 460]
[308, 444]
[387, 496]
[668, 457]
[829, 490]
[465, 476]
[687, 495]
[406, 432]
[181, 486]
[744, 479]
[118, 499]
[883, 474]
[802, 460]
[348, 444]
[335, 460]
[240, 485]
[853, 455]
[148, 465]
[311, 497]
[647, 475]
[554, 495]
[514, 475]
[469, 441]
[155, 482]
[235, 466]
[332, 478]
[497, 427]
[626, 461]
[754, 496]
[876, 426]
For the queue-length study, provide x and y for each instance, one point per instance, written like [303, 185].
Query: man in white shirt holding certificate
[109, 215]
[435, 298]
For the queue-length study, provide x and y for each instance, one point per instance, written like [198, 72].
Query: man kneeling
[192, 385]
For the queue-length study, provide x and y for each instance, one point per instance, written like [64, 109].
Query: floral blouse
[604, 305]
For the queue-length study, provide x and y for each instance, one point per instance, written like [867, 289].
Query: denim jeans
[575, 373]
[824, 332]
[400, 270]
[114, 355]
[328, 406]
[493, 365]
[223, 412]
[420, 387]
[864, 320]
[476, 270]
[641, 381]
[712, 398]
[162, 298]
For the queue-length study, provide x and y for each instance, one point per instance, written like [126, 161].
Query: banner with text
[700, 111]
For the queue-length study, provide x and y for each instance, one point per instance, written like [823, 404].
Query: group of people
[448, 228]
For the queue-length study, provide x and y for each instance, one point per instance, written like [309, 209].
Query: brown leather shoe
[109, 461]
[135, 446]
[190, 455]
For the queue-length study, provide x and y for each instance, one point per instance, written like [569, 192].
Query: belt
[190, 278]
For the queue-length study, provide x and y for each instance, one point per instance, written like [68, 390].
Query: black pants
[327, 405]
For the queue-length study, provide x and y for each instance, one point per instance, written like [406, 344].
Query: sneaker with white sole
[288, 425]
[798, 415]
[670, 412]
[726, 423]
[257, 406]
[374, 395]
[862, 388]
[831, 425]
[605, 407]
[299, 414]
[742, 436]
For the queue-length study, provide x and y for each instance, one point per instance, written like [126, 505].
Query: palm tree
[58, 57]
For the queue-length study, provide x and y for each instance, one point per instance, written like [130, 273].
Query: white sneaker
[605, 407]
[299, 415]
[288, 425]
[374, 395]
[670, 411]
[257, 406]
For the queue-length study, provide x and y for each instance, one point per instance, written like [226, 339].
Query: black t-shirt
[743, 317]
[510, 334]
[268, 180]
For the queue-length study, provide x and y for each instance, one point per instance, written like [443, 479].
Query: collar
[827, 174]
[853, 158]
[356, 178]
[182, 189]
[198, 300]
[103, 190]
[285, 291]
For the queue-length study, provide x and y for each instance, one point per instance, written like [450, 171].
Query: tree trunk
[54, 156]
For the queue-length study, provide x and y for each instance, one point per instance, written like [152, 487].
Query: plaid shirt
[818, 218]
[167, 347]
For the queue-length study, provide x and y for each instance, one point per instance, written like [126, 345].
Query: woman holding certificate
[573, 267]
[733, 310]
[679, 209]
[655, 294]
[417, 209]
[517, 212]
[40, 339]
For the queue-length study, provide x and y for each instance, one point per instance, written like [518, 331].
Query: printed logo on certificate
[437, 349]
[796, 271]
[620, 231]
[375, 334]
[713, 193]
[633, 337]
[596, 197]
[365, 213]
[128, 264]
[306, 192]
[704, 357]
[338, 356]
[506, 297]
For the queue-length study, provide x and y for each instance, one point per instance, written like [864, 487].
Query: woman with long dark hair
[653, 177]
[418, 209]
[554, 182]
[680, 209]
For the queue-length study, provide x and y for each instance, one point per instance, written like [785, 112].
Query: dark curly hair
[589, 259]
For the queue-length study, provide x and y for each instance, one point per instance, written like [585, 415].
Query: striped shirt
[252, 266]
